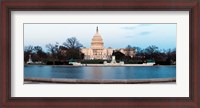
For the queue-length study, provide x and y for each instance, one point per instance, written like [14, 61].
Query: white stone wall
[104, 54]
[97, 53]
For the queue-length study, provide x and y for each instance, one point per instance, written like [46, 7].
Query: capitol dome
[97, 41]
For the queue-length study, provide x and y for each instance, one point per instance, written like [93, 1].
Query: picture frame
[89, 5]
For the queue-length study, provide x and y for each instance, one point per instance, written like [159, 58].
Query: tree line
[150, 54]
[71, 50]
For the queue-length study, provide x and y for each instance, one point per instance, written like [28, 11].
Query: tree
[137, 49]
[171, 55]
[62, 53]
[28, 50]
[73, 48]
[118, 55]
[140, 54]
[72, 43]
[53, 49]
[40, 55]
[151, 52]
[151, 49]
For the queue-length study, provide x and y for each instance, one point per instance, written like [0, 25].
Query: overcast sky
[114, 35]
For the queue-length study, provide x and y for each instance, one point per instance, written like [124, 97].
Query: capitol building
[98, 51]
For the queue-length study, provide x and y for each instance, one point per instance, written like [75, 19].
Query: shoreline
[117, 64]
[98, 81]
[96, 65]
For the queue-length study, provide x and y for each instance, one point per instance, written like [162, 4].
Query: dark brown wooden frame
[193, 101]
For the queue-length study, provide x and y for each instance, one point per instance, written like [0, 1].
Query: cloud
[129, 28]
[136, 26]
[144, 33]
[140, 34]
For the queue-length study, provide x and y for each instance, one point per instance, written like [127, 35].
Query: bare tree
[39, 53]
[53, 49]
[73, 46]
[72, 43]
[151, 52]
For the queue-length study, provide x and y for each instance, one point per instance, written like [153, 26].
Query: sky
[113, 35]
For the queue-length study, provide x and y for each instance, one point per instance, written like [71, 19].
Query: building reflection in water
[97, 73]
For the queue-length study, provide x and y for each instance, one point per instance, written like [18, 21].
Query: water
[69, 72]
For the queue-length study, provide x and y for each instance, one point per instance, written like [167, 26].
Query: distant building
[97, 50]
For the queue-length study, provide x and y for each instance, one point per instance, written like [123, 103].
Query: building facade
[97, 50]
